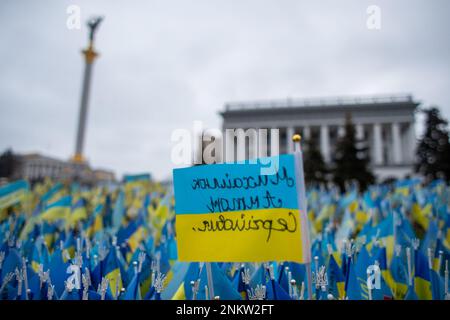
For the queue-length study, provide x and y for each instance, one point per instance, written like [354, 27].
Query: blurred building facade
[36, 167]
[384, 123]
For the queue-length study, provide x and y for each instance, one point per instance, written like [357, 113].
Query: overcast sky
[164, 64]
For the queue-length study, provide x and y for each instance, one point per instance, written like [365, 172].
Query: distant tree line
[8, 163]
[350, 161]
[433, 150]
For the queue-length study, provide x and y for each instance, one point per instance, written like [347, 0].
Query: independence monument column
[89, 55]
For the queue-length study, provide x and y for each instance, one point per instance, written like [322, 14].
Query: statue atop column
[93, 24]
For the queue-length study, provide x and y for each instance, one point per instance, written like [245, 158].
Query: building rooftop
[38, 156]
[320, 102]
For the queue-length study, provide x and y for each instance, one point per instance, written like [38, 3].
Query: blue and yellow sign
[233, 213]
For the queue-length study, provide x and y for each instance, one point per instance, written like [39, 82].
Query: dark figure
[93, 24]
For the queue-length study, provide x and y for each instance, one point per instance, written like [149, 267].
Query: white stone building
[386, 123]
[37, 167]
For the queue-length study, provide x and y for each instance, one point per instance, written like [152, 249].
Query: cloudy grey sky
[166, 63]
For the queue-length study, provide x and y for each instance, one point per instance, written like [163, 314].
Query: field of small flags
[64, 242]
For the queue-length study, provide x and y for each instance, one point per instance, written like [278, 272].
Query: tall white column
[307, 132]
[325, 143]
[377, 144]
[412, 143]
[229, 146]
[263, 137]
[289, 142]
[359, 131]
[396, 144]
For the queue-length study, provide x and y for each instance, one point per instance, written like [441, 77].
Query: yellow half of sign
[240, 236]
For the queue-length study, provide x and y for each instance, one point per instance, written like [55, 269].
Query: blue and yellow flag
[111, 271]
[57, 210]
[336, 279]
[13, 193]
[79, 211]
[399, 282]
[52, 194]
[422, 279]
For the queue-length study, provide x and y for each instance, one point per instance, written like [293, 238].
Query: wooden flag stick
[441, 254]
[316, 273]
[291, 289]
[446, 280]
[2, 258]
[302, 291]
[206, 292]
[408, 259]
[303, 206]
[192, 283]
[25, 277]
[369, 288]
[430, 258]
[293, 285]
[6, 279]
[79, 248]
[210, 280]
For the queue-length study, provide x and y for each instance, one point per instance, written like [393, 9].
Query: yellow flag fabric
[179, 294]
[58, 210]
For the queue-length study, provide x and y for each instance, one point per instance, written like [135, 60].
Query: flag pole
[296, 138]
[447, 297]
[369, 288]
[408, 259]
[210, 280]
